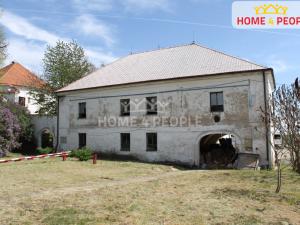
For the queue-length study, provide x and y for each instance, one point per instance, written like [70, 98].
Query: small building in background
[16, 82]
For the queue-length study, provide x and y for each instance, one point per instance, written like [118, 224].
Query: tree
[297, 86]
[3, 46]
[283, 115]
[63, 64]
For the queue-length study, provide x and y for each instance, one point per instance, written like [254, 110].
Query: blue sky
[109, 29]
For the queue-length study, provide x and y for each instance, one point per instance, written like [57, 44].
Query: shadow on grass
[257, 195]
[131, 158]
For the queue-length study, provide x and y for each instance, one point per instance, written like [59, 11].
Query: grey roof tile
[168, 63]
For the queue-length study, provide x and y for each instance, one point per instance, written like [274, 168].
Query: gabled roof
[15, 74]
[162, 64]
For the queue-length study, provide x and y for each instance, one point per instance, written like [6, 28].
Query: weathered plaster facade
[178, 98]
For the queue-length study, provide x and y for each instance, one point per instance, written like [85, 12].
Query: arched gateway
[218, 149]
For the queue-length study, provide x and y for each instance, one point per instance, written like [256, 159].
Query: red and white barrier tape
[60, 154]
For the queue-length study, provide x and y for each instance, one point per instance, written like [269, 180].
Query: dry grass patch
[55, 192]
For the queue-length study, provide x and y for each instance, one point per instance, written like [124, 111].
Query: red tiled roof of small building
[15, 74]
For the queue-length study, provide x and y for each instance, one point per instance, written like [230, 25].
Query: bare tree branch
[283, 115]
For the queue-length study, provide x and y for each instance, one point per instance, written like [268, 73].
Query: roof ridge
[199, 45]
[161, 49]
[226, 54]
[30, 76]
[30, 72]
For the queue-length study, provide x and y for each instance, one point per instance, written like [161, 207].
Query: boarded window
[63, 140]
[151, 141]
[151, 105]
[22, 101]
[125, 141]
[82, 110]
[216, 102]
[248, 144]
[125, 107]
[82, 140]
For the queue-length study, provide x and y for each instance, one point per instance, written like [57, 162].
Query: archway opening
[46, 139]
[218, 150]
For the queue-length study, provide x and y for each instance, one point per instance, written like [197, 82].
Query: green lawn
[51, 191]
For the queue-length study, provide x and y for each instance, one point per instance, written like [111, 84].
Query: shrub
[10, 131]
[72, 154]
[24, 120]
[41, 151]
[15, 126]
[82, 154]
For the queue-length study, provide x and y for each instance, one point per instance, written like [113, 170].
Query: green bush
[82, 154]
[15, 126]
[41, 151]
[72, 154]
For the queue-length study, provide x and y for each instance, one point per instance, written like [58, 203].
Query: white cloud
[30, 54]
[92, 5]
[277, 64]
[27, 53]
[98, 57]
[28, 44]
[205, 1]
[129, 5]
[134, 5]
[22, 27]
[89, 25]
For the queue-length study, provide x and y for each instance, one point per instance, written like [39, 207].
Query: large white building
[170, 105]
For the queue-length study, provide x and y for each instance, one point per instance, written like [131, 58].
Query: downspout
[57, 124]
[266, 123]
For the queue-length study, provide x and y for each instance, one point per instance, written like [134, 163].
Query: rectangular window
[151, 142]
[82, 140]
[216, 102]
[248, 144]
[22, 101]
[277, 136]
[63, 140]
[151, 105]
[82, 110]
[125, 107]
[125, 141]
